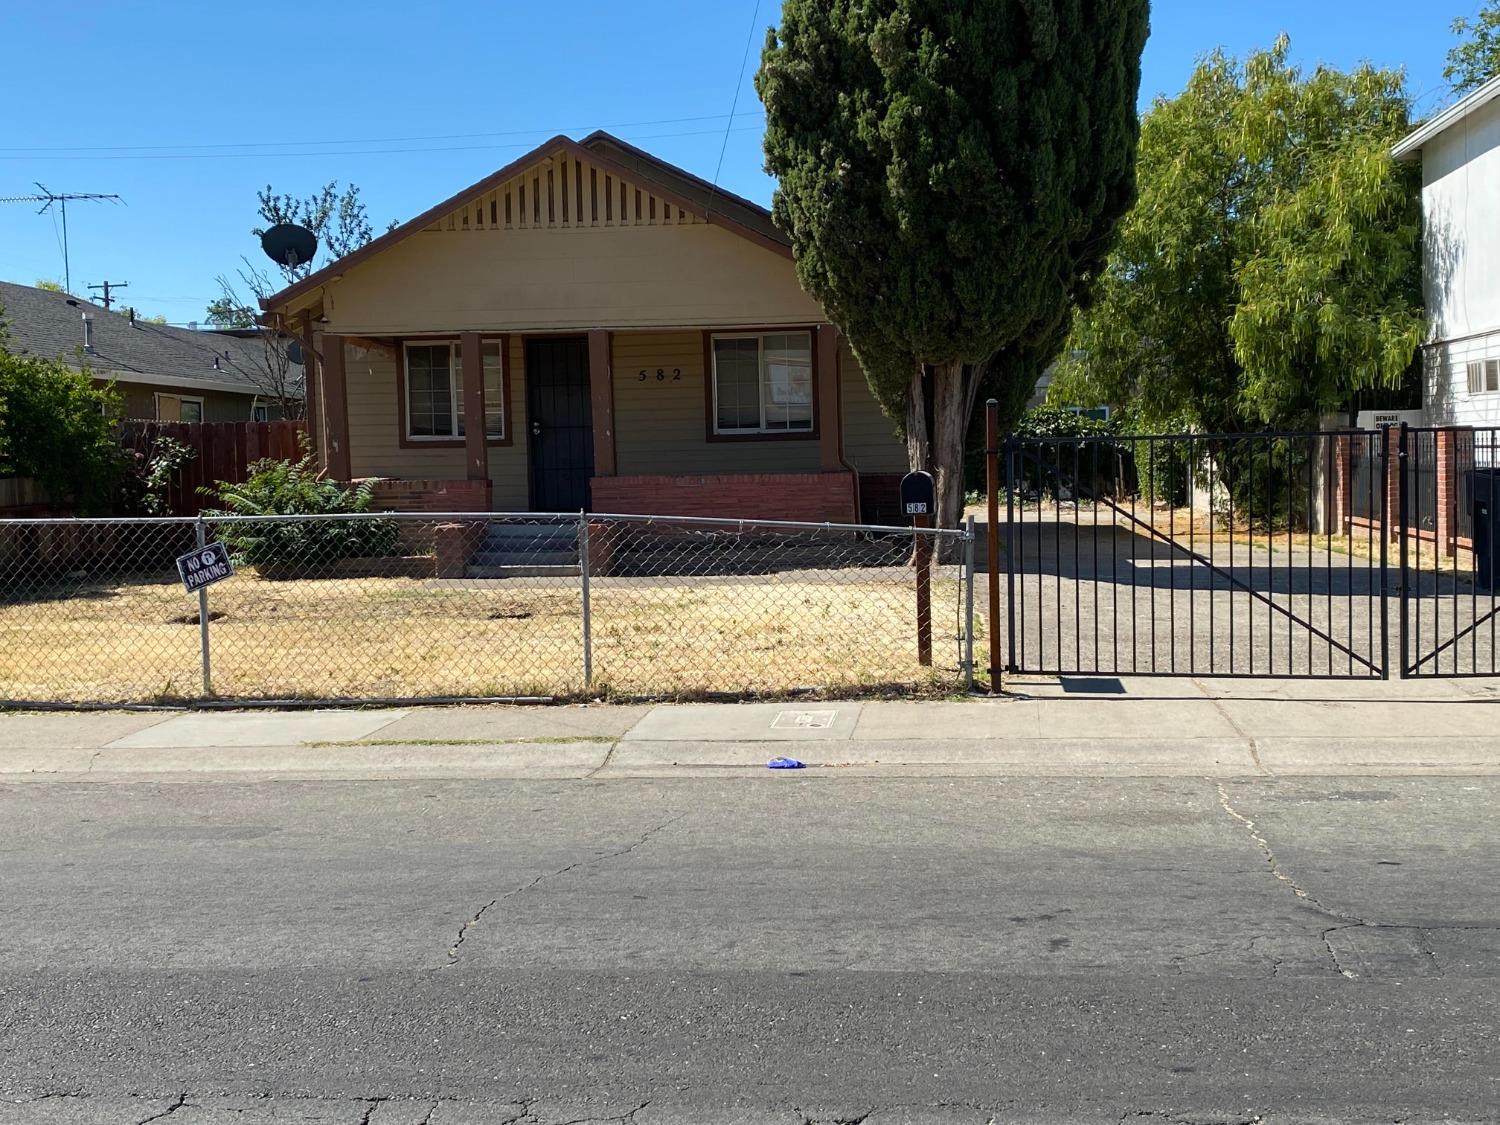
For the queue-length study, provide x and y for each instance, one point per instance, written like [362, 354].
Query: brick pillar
[1393, 482]
[453, 545]
[1447, 492]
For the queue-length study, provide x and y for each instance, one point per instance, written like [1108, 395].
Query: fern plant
[299, 548]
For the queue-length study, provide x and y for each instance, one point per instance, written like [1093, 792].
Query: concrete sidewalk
[1081, 728]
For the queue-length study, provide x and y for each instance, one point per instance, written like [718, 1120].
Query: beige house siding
[871, 444]
[546, 279]
[375, 421]
[526, 257]
[661, 427]
[139, 402]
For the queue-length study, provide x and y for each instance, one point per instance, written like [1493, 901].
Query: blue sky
[185, 109]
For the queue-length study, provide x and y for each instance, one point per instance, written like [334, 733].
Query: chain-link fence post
[969, 604]
[588, 623]
[208, 670]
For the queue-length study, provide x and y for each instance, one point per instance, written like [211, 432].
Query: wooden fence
[223, 451]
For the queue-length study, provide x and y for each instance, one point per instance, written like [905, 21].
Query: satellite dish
[294, 352]
[289, 245]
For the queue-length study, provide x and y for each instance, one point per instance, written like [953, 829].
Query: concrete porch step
[523, 555]
[507, 571]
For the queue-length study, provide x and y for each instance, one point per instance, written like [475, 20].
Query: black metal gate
[1251, 555]
[1450, 482]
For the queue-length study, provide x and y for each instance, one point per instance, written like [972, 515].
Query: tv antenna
[47, 198]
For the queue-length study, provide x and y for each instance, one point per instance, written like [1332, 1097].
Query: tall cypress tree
[951, 176]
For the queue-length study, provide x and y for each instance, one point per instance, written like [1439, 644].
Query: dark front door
[561, 431]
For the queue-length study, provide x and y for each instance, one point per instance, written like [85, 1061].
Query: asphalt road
[783, 948]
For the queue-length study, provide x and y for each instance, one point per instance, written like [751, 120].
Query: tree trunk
[918, 437]
[951, 406]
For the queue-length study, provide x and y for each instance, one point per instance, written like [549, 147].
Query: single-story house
[162, 373]
[634, 339]
[1460, 153]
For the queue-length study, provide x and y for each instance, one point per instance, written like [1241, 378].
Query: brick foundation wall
[814, 497]
[393, 495]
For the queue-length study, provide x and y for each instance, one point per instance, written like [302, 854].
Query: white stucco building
[1460, 154]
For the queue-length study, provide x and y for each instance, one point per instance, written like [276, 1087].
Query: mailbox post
[918, 501]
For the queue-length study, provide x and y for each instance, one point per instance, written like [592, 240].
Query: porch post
[830, 422]
[335, 409]
[476, 444]
[311, 386]
[602, 401]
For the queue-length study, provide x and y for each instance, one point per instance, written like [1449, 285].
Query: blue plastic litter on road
[785, 764]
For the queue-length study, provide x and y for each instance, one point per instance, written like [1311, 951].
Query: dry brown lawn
[134, 640]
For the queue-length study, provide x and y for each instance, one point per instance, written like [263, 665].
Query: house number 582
[661, 375]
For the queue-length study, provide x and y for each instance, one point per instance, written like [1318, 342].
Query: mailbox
[918, 498]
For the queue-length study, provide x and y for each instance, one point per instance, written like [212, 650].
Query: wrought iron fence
[1196, 554]
[403, 606]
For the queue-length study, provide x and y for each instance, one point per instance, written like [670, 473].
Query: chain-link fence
[397, 606]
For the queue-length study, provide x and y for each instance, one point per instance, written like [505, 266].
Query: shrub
[301, 547]
[57, 428]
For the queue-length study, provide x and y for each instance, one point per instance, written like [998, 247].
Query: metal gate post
[1010, 551]
[992, 535]
[1403, 516]
[1385, 566]
[588, 622]
[207, 660]
[969, 604]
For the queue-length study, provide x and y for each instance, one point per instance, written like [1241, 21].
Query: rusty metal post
[992, 539]
[923, 555]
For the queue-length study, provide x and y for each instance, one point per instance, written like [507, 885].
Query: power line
[84, 149]
[351, 152]
[735, 104]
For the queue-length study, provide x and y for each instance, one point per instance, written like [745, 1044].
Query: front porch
[603, 421]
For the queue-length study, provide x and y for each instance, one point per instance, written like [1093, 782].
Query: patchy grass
[135, 639]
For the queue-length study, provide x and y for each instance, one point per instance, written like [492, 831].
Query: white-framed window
[260, 412]
[763, 383]
[435, 391]
[178, 408]
[1484, 375]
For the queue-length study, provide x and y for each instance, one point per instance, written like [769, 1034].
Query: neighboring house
[162, 373]
[1460, 154]
[634, 339]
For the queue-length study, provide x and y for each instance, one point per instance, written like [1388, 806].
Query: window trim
[156, 397]
[405, 438]
[1479, 371]
[710, 384]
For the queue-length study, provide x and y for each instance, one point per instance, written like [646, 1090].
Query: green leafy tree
[949, 174]
[1272, 265]
[57, 428]
[1476, 59]
[49, 285]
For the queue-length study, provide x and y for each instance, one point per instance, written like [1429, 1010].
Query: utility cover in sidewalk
[804, 720]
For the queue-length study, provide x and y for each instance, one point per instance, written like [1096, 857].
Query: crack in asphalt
[1181, 1119]
[171, 1109]
[1346, 920]
[463, 931]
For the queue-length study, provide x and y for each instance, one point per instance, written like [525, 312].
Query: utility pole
[108, 287]
[47, 199]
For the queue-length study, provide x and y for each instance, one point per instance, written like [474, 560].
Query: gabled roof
[1410, 147]
[683, 189]
[44, 323]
